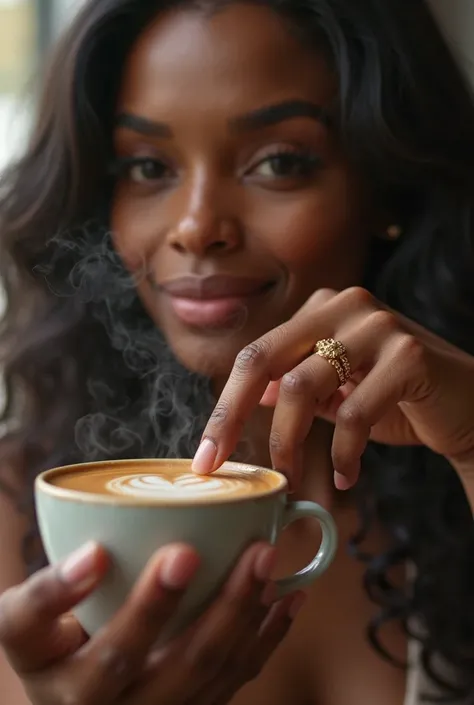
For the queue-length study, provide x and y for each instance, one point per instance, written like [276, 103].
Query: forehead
[239, 57]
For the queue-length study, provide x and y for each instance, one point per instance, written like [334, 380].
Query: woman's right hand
[227, 647]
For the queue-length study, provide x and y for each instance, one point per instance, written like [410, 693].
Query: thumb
[36, 626]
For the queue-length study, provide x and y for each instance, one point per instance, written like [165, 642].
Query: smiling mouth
[216, 302]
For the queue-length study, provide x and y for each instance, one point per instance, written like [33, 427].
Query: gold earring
[393, 232]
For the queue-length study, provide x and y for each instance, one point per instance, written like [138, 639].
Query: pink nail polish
[178, 570]
[341, 482]
[79, 569]
[205, 457]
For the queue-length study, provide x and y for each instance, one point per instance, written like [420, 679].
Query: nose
[203, 230]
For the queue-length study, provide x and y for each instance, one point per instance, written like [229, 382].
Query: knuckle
[252, 357]
[322, 296]
[382, 321]
[64, 692]
[221, 412]
[112, 663]
[349, 416]
[294, 383]
[42, 593]
[72, 697]
[282, 448]
[276, 442]
[411, 349]
[360, 296]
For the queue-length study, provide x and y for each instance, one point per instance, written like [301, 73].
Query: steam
[141, 402]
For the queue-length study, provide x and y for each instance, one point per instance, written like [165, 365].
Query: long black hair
[88, 376]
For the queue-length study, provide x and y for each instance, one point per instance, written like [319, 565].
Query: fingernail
[205, 457]
[177, 569]
[289, 479]
[79, 570]
[296, 605]
[265, 563]
[341, 482]
[269, 595]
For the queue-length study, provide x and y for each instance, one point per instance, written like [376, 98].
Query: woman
[268, 204]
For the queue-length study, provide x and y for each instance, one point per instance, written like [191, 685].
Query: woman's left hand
[407, 387]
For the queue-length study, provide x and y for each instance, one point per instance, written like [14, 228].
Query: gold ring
[336, 354]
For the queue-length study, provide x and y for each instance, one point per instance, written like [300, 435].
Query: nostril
[219, 245]
[179, 247]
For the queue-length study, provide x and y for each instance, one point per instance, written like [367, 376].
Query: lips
[213, 302]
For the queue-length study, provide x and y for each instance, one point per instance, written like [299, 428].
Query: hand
[59, 665]
[408, 387]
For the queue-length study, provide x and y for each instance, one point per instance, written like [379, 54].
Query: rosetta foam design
[184, 485]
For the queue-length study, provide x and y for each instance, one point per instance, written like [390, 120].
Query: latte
[168, 481]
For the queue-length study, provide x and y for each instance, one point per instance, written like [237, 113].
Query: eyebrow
[279, 112]
[143, 126]
[260, 118]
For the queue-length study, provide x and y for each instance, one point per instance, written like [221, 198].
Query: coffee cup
[134, 507]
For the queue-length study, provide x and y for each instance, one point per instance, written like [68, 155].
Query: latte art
[169, 482]
[184, 484]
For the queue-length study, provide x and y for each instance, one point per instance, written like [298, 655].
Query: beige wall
[17, 44]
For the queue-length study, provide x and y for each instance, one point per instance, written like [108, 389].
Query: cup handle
[325, 554]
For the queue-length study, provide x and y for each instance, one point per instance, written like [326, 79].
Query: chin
[209, 358]
[211, 352]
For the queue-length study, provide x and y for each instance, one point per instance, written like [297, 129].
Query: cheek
[135, 228]
[322, 237]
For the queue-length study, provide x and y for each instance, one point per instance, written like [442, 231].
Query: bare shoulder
[12, 572]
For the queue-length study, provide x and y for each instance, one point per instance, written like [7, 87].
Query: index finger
[255, 367]
[263, 361]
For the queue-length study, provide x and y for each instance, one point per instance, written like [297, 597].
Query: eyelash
[307, 162]
[122, 166]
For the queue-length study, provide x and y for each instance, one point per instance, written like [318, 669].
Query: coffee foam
[181, 485]
[168, 483]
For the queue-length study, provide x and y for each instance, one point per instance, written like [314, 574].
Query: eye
[285, 165]
[141, 170]
[148, 170]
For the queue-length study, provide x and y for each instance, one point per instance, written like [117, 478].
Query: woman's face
[234, 199]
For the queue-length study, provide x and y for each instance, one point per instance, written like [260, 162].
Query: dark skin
[223, 209]
[238, 171]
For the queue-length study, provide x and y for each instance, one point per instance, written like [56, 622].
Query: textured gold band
[336, 354]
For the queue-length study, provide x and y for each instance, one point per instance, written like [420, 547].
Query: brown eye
[148, 170]
[287, 165]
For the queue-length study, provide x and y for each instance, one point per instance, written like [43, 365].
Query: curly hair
[88, 376]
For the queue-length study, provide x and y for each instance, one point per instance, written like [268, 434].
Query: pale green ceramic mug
[148, 504]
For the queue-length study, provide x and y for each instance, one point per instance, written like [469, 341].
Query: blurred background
[28, 27]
